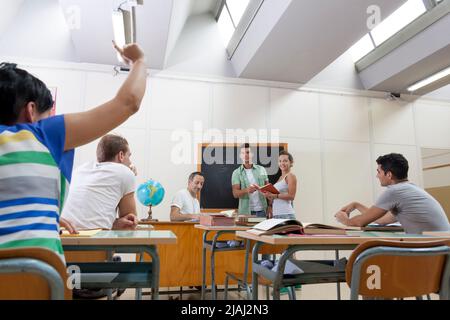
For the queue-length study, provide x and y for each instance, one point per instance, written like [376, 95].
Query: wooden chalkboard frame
[284, 146]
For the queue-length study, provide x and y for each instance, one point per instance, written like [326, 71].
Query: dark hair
[285, 153]
[17, 88]
[394, 163]
[246, 146]
[194, 174]
[109, 146]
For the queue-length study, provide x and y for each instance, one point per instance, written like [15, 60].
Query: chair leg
[267, 292]
[291, 293]
[225, 292]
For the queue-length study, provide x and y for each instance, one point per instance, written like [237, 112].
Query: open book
[228, 213]
[268, 188]
[277, 226]
[248, 220]
[320, 228]
[287, 226]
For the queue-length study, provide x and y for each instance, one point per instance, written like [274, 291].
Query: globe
[150, 193]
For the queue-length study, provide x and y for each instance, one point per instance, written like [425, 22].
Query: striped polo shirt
[34, 177]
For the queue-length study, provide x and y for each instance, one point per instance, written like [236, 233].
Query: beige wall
[442, 194]
[335, 137]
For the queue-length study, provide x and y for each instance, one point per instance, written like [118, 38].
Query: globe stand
[149, 218]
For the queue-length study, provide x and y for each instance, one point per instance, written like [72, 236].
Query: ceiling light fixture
[124, 23]
[441, 74]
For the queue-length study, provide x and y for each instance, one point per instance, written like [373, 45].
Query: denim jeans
[259, 214]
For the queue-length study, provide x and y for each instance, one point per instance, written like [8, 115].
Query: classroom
[149, 149]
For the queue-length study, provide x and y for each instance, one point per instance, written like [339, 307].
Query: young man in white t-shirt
[102, 192]
[185, 205]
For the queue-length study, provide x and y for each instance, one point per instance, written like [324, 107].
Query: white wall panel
[393, 122]
[240, 106]
[345, 117]
[295, 114]
[433, 127]
[178, 104]
[347, 175]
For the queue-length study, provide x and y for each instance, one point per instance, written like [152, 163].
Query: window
[237, 9]
[399, 19]
[361, 48]
[230, 16]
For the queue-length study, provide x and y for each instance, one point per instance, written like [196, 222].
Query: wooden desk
[181, 265]
[126, 274]
[319, 242]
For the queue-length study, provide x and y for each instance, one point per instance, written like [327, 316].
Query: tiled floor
[310, 292]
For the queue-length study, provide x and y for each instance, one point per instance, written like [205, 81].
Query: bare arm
[127, 213]
[372, 214]
[292, 188]
[84, 127]
[176, 215]
[354, 205]
[127, 205]
[239, 193]
[387, 219]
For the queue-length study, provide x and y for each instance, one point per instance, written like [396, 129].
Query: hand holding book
[268, 188]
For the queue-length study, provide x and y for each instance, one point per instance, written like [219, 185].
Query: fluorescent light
[237, 9]
[119, 30]
[398, 20]
[226, 27]
[361, 48]
[427, 81]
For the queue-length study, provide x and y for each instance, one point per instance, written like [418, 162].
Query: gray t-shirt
[414, 208]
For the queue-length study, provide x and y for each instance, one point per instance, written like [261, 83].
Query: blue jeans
[259, 214]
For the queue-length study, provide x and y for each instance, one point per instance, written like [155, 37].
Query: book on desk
[391, 227]
[216, 219]
[291, 226]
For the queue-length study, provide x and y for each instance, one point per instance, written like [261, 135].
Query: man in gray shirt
[413, 207]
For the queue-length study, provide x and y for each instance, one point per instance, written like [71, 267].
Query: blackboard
[217, 165]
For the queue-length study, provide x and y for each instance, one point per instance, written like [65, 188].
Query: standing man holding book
[245, 182]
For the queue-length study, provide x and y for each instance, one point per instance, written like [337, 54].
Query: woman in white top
[282, 203]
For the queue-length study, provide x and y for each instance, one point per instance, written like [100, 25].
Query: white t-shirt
[255, 201]
[186, 202]
[95, 193]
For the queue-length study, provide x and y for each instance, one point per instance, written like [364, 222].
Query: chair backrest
[398, 269]
[32, 274]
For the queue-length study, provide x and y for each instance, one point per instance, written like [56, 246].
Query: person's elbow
[356, 223]
[131, 101]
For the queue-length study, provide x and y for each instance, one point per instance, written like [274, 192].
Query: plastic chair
[32, 274]
[399, 269]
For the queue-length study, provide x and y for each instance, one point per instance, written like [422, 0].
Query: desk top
[352, 237]
[117, 238]
[221, 228]
[143, 223]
